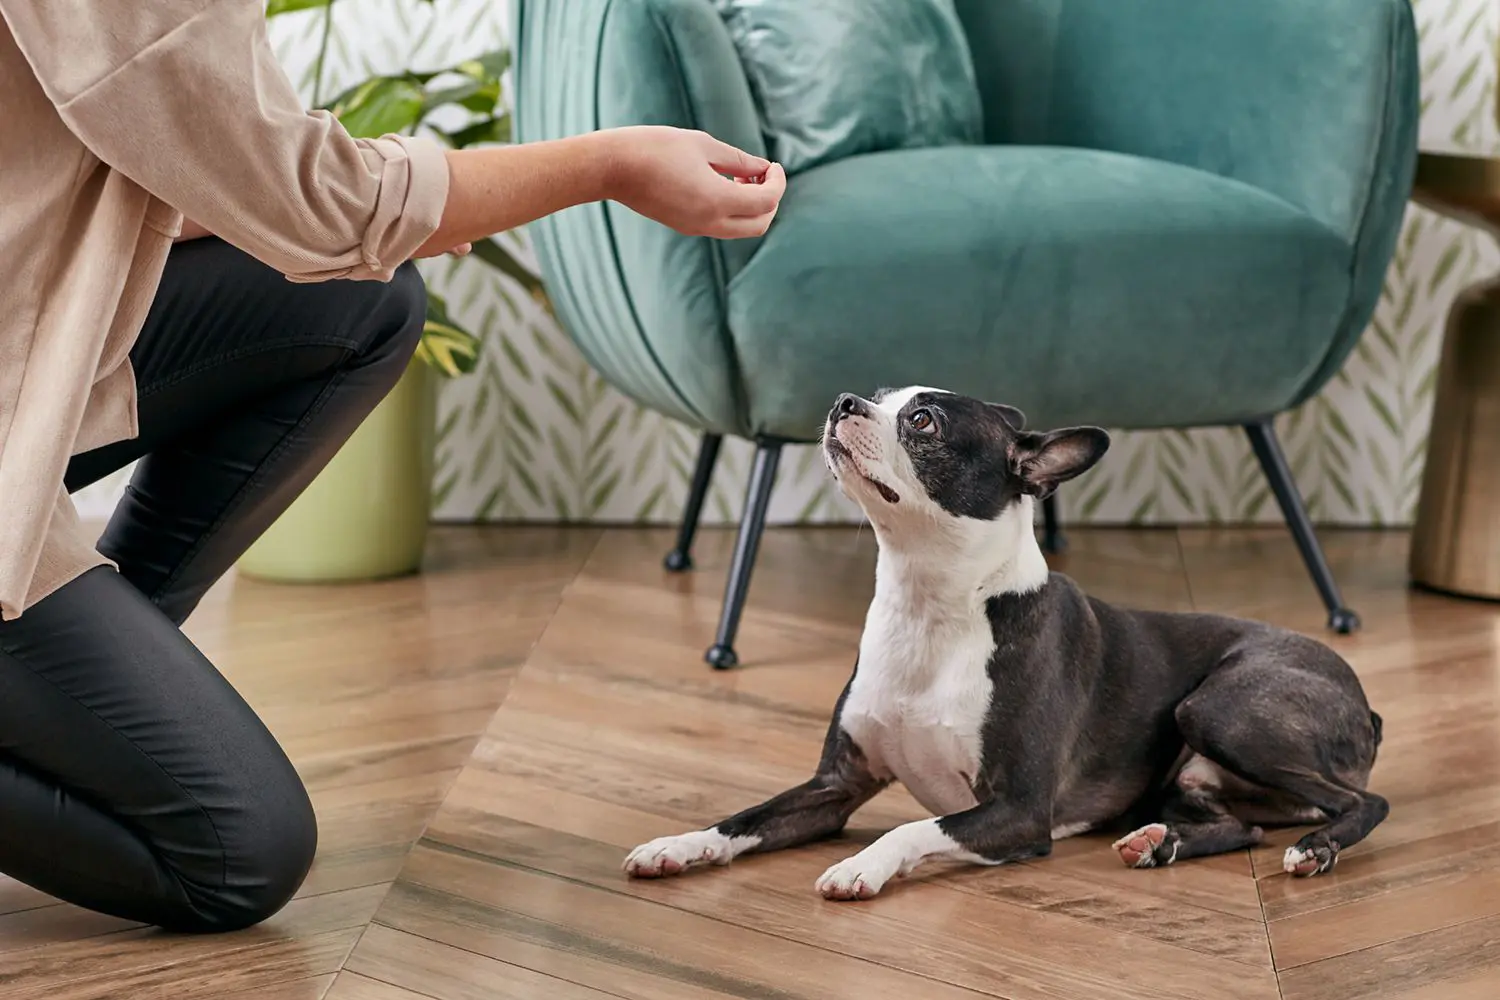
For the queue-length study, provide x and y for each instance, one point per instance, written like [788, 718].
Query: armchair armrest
[1314, 102]
[643, 303]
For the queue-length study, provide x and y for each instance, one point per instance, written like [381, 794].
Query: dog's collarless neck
[965, 566]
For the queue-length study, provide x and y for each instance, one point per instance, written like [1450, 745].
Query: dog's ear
[1012, 416]
[1046, 461]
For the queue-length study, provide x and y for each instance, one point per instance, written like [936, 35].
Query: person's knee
[280, 858]
[265, 864]
[399, 315]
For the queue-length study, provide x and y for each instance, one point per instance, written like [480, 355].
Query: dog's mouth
[840, 455]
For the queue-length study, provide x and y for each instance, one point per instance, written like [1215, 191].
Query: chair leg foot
[1274, 464]
[721, 655]
[680, 559]
[1343, 621]
[1052, 536]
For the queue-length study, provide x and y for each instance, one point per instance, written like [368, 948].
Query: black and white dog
[1020, 711]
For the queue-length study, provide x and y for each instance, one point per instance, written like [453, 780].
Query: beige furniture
[1456, 542]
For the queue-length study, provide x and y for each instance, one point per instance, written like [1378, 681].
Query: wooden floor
[485, 742]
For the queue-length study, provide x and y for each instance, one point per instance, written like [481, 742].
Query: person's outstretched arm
[679, 178]
[687, 180]
[186, 98]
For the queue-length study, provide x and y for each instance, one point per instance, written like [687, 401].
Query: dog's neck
[950, 567]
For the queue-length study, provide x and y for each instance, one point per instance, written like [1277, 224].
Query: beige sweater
[119, 117]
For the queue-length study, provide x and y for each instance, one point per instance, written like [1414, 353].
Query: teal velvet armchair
[1181, 216]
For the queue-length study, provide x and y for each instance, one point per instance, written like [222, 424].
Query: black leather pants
[133, 779]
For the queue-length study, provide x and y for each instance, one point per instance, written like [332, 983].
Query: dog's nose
[849, 405]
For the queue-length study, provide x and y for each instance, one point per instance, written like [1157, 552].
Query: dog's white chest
[918, 704]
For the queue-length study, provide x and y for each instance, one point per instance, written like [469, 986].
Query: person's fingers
[754, 200]
[741, 228]
[727, 159]
[456, 251]
[745, 201]
[775, 181]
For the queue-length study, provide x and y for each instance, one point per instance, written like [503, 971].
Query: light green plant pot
[366, 515]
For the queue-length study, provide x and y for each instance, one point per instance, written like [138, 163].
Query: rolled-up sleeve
[187, 99]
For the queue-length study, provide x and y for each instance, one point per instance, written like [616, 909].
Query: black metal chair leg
[681, 557]
[1052, 536]
[1273, 463]
[757, 498]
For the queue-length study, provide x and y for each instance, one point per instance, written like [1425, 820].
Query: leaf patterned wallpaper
[536, 435]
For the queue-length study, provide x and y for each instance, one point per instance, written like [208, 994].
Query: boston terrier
[1020, 711]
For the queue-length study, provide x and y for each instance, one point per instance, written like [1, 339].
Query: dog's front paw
[671, 855]
[859, 877]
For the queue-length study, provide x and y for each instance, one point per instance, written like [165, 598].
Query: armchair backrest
[1315, 102]
[1293, 97]
[642, 302]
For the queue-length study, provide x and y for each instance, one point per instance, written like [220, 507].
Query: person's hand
[691, 181]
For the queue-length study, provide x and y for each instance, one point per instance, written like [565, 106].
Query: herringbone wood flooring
[469, 852]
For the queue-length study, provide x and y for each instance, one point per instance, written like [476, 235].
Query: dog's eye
[922, 421]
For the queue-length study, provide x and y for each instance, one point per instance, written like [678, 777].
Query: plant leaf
[1383, 412]
[500, 259]
[1444, 265]
[564, 401]
[484, 100]
[381, 105]
[460, 93]
[275, 7]
[649, 505]
[490, 66]
[495, 129]
[601, 495]
[445, 345]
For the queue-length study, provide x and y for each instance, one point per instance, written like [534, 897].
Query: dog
[1020, 711]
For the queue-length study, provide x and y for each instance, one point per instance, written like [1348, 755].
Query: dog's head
[929, 453]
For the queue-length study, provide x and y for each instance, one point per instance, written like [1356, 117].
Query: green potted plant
[366, 516]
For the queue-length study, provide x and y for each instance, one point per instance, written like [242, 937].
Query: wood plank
[1420, 962]
[447, 973]
[1450, 889]
[543, 948]
[350, 986]
[920, 926]
[646, 935]
[310, 938]
[314, 988]
[52, 922]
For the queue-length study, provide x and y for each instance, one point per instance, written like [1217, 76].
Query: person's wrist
[613, 164]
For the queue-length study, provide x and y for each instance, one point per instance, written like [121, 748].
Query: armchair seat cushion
[1060, 280]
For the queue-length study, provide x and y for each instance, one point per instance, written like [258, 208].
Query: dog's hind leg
[1299, 727]
[1319, 851]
